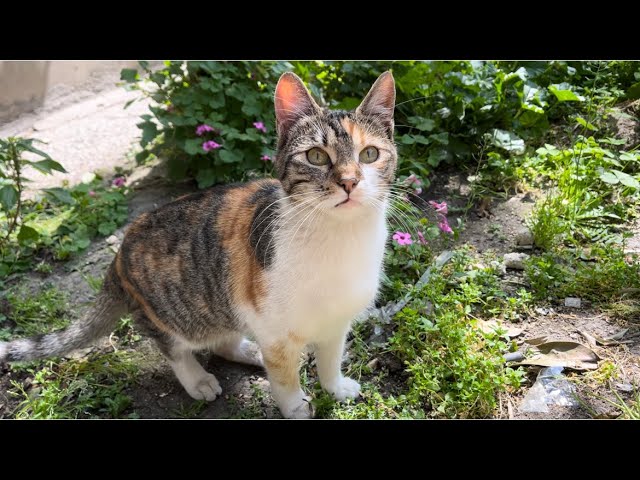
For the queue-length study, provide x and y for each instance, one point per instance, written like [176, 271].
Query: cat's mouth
[348, 202]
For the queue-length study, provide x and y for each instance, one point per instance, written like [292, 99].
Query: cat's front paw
[344, 388]
[297, 406]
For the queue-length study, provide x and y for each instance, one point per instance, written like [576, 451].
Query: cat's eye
[369, 155]
[317, 156]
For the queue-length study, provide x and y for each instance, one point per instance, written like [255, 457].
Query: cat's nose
[348, 184]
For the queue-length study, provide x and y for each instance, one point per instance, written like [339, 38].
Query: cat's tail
[108, 307]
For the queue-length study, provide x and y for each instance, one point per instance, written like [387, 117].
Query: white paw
[299, 406]
[205, 388]
[344, 388]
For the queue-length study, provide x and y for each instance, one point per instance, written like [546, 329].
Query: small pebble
[572, 302]
[112, 240]
[373, 364]
[515, 261]
[624, 387]
[524, 238]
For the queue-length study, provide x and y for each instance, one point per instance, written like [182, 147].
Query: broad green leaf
[611, 141]
[424, 124]
[506, 140]
[628, 156]
[28, 145]
[193, 146]
[407, 139]
[27, 234]
[46, 166]
[60, 194]
[149, 132]
[626, 179]
[609, 177]
[8, 197]
[82, 243]
[107, 228]
[129, 75]
[563, 93]
[586, 124]
[227, 156]
[441, 138]
[206, 177]
[634, 91]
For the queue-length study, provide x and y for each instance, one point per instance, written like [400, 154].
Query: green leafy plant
[12, 181]
[213, 120]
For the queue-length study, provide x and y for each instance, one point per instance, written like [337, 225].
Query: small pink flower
[202, 129]
[444, 225]
[118, 182]
[402, 238]
[440, 207]
[421, 238]
[260, 126]
[418, 191]
[265, 158]
[92, 193]
[210, 145]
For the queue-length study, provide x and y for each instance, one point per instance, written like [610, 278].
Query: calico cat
[288, 261]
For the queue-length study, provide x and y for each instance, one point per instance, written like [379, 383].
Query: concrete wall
[28, 85]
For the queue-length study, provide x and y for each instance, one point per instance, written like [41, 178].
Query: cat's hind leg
[199, 384]
[235, 348]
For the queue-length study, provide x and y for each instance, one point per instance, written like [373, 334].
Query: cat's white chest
[320, 283]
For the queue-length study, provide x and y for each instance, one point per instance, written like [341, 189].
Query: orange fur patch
[282, 360]
[248, 284]
[358, 135]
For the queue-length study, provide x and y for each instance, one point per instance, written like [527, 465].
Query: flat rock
[515, 261]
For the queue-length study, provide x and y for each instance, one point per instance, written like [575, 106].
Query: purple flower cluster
[210, 145]
[118, 182]
[402, 238]
[414, 182]
[260, 126]
[442, 210]
[202, 129]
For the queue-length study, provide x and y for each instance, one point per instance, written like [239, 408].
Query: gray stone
[515, 261]
[524, 238]
[112, 240]
[572, 302]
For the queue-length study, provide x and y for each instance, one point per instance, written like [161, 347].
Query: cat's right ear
[293, 101]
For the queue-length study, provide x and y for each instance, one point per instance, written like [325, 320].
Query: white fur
[326, 271]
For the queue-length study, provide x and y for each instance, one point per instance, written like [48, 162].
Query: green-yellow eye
[369, 155]
[317, 156]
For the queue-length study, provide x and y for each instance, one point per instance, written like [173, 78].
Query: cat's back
[193, 257]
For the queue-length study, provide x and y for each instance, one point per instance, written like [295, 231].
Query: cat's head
[340, 161]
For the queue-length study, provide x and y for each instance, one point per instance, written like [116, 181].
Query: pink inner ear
[287, 96]
[292, 101]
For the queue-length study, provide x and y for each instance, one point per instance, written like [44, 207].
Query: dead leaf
[537, 340]
[590, 339]
[563, 354]
[612, 339]
[490, 326]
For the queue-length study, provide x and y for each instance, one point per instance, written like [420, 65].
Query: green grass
[87, 388]
[34, 313]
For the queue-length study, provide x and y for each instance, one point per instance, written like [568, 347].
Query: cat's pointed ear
[293, 101]
[381, 100]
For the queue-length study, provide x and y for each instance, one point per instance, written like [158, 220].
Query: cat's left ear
[381, 100]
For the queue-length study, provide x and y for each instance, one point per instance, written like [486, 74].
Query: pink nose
[348, 184]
